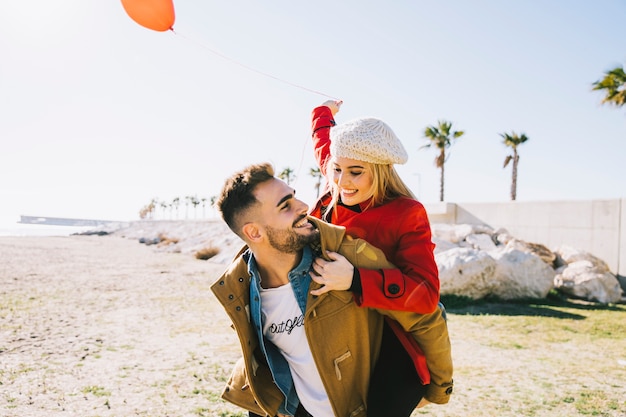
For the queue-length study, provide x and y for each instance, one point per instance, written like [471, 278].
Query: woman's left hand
[335, 274]
[333, 105]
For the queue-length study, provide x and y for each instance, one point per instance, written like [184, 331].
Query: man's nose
[304, 207]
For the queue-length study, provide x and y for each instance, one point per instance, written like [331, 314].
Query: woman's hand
[335, 274]
[333, 105]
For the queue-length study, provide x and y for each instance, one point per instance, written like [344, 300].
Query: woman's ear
[251, 231]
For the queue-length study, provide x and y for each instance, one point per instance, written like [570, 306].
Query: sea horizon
[34, 230]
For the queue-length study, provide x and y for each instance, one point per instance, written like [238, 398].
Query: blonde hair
[386, 186]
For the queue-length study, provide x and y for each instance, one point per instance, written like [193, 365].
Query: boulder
[589, 281]
[465, 271]
[520, 274]
[538, 249]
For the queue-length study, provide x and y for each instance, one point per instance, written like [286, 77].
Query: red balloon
[153, 14]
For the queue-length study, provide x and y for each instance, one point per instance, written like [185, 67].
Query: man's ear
[251, 231]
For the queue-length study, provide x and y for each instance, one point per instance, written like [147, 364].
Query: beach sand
[105, 326]
[101, 326]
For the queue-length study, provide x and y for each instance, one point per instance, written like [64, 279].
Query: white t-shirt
[283, 325]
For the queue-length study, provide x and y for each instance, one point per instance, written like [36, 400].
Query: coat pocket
[238, 392]
[339, 361]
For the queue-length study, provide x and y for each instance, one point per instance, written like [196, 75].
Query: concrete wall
[595, 226]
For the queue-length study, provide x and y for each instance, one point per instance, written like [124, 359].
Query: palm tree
[513, 140]
[203, 199]
[176, 204]
[188, 201]
[212, 202]
[316, 173]
[441, 137]
[152, 208]
[195, 202]
[614, 86]
[163, 205]
[287, 175]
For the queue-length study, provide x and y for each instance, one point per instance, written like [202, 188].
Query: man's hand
[335, 274]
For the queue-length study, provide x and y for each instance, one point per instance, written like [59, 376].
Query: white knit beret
[368, 140]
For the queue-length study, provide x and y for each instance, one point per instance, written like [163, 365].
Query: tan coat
[344, 338]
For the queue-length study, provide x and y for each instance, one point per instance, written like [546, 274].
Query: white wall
[595, 226]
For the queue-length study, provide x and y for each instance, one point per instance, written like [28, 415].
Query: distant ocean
[19, 229]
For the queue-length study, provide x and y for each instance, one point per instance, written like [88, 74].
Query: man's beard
[288, 241]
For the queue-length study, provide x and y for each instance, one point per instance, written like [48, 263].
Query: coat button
[393, 289]
[230, 297]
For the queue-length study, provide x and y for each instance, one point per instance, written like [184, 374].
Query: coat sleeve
[414, 284]
[430, 331]
[322, 121]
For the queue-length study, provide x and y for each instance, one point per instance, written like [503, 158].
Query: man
[304, 355]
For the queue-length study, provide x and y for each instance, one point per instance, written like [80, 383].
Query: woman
[369, 198]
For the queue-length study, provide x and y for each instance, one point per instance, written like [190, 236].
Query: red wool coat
[401, 229]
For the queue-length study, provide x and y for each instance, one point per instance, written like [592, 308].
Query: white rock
[443, 245]
[585, 280]
[481, 241]
[453, 233]
[535, 248]
[466, 272]
[520, 275]
[456, 233]
[568, 255]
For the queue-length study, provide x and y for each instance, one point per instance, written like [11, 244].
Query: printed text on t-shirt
[287, 326]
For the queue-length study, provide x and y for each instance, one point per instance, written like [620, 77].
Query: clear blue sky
[98, 115]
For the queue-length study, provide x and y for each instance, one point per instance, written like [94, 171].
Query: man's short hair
[237, 195]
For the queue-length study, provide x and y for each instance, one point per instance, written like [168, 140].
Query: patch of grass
[534, 358]
[206, 412]
[595, 403]
[207, 253]
[551, 306]
[212, 396]
[96, 390]
[202, 412]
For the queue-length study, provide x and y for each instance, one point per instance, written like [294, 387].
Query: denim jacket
[300, 279]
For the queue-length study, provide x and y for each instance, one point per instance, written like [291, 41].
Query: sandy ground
[96, 326]
[104, 326]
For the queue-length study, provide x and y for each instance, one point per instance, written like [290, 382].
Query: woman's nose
[338, 178]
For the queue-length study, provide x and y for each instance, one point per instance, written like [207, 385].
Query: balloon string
[253, 69]
[299, 169]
